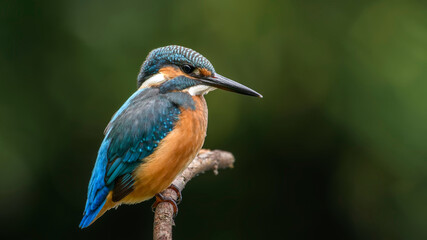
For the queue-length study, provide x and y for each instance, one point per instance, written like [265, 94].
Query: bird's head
[176, 68]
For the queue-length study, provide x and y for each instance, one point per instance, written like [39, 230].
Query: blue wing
[133, 134]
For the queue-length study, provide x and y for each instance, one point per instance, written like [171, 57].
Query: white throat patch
[200, 90]
[156, 79]
[159, 78]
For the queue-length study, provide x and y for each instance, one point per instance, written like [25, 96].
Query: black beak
[224, 83]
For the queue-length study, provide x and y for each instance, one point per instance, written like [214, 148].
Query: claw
[160, 198]
[178, 193]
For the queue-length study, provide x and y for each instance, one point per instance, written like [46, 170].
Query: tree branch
[205, 160]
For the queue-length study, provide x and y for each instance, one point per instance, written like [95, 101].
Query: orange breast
[173, 154]
[171, 157]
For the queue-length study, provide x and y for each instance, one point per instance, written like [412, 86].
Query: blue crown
[172, 54]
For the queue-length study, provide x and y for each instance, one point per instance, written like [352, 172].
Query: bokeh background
[336, 148]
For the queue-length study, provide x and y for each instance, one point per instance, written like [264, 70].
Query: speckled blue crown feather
[172, 54]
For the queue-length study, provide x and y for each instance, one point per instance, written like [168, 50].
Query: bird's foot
[160, 198]
[178, 193]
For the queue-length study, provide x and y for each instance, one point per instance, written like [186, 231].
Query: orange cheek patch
[171, 72]
[205, 72]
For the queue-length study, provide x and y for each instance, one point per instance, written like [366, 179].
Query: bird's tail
[95, 207]
[90, 216]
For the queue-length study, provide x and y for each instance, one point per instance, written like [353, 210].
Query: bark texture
[205, 160]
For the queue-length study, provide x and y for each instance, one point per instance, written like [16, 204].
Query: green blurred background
[336, 148]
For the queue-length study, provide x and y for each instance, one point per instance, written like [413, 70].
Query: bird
[157, 132]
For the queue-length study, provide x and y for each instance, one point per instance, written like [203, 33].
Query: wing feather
[133, 133]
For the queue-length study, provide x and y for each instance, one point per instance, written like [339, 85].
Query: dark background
[336, 149]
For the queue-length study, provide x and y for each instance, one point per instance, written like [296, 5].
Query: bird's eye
[187, 68]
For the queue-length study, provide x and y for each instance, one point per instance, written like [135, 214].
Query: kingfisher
[157, 132]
